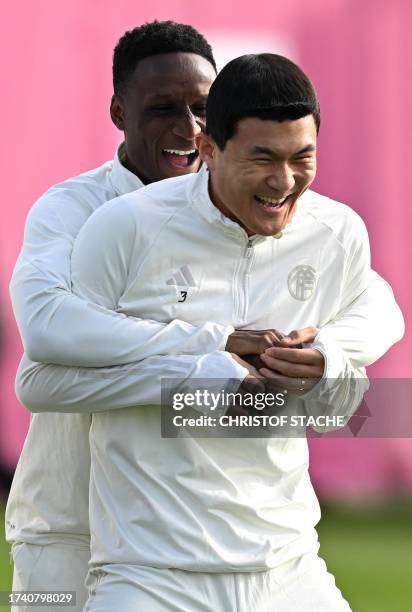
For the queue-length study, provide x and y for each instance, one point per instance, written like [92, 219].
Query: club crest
[302, 282]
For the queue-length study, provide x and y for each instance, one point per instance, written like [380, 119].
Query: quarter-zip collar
[123, 181]
[200, 200]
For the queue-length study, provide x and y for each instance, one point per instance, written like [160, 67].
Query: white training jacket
[49, 497]
[48, 500]
[208, 504]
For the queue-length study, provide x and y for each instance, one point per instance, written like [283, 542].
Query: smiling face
[161, 112]
[262, 171]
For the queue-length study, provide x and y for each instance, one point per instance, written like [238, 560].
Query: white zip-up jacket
[49, 497]
[48, 500]
[167, 252]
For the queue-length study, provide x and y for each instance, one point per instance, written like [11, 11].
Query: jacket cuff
[333, 355]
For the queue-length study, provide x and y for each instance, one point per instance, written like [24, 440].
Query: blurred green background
[5, 565]
[367, 548]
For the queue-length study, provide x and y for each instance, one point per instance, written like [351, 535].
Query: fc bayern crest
[302, 282]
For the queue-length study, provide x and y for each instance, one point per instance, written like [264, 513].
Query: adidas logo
[182, 278]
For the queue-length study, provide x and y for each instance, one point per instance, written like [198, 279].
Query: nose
[281, 178]
[186, 126]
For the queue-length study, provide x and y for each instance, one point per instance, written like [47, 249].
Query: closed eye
[162, 108]
[199, 110]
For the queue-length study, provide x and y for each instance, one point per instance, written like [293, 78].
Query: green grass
[368, 549]
[5, 566]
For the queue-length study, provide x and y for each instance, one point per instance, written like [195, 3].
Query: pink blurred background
[56, 70]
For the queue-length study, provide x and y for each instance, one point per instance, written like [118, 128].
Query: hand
[298, 337]
[254, 360]
[295, 339]
[253, 342]
[252, 383]
[297, 370]
[253, 375]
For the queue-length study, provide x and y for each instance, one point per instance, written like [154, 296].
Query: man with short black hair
[215, 524]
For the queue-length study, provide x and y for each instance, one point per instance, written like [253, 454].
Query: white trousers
[146, 589]
[50, 568]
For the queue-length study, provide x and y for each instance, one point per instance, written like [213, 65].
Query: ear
[207, 149]
[117, 111]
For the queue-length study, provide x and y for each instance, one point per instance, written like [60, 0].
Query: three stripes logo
[182, 278]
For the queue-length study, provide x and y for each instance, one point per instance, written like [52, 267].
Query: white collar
[200, 199]
[122, 179]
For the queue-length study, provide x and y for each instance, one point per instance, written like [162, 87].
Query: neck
[223, 209]
[216, 200]
[125, 161]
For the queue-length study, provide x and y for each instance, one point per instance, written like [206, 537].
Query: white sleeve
[368, 321]
[344, 381]
[59, 327]
[100, 263]
[365, 329]
[337, 397]
[53, 388]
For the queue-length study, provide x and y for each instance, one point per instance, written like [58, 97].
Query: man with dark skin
[160, 112]
[162, 75]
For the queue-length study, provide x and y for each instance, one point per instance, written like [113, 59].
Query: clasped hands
[278, 360]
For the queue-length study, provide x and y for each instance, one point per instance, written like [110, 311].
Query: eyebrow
[167, 98]
[258, 150]
[159, 98]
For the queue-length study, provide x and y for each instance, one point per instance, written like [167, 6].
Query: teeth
[271, 202]
[178, 152]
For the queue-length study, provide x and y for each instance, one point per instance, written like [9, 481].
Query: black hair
[153, 39]
[266, 86]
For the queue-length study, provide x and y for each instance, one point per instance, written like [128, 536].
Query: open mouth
[179, 158]
[271, 203]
